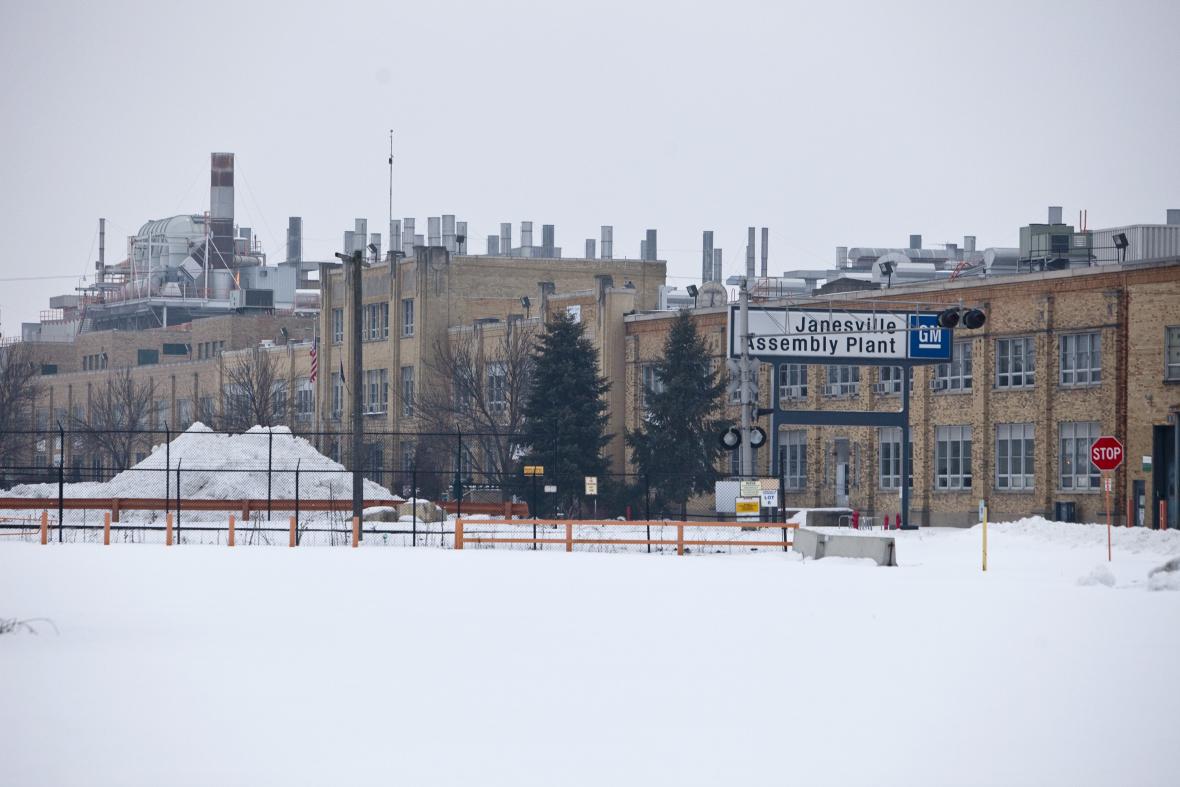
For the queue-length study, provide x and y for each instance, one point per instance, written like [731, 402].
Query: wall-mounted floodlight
[887, 267]
[974, 318]
[692, 290]
[1121, 243]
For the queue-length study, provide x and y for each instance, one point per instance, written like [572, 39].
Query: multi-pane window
[842, 380]
[1172, 352]
[889, 453]
[497, 387]
[1015, 362]
[279, 398]
[184, 413]
[952, 457]
[376, 321]
[792, 382]
[1014, 456]
[792, 457]
[408, 317]
[304, 399]
[1077, 472]
[1081, 359]
[408, 391]
[956, 375]
[337, 326]
[651, 384]
[376, 390]
[408, 455]
[160, 413]
[337, 395]
[889, 379]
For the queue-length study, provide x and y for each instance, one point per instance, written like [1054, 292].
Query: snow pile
[1165, 577]
[1100, 575]
[216, 466]
[1135, 540]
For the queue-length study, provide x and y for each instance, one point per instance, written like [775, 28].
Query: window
[1172, 352]
[497, 387]
[792, 382]
[279, 398]
[1014, 456]
[376, 322]
[184, 413]
[792, 457]
[206, 410]
[842, 381]
[160, 406]
[956, 375]
[1077, 473]
[952, 457]
[337, 396]
[175, 349]
[408, 317]
[889, 380]
[407, 455]
[376, 390]
[376, 454]
[1015, 363]
[408, 391]
[651, 384]
[889, 458]
[337, 326]
[304, 399]
[1081, 359]
[147, 357]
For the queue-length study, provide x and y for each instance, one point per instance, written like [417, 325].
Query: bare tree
[118, 420]
[18, 395]
[255, 393]
[478, 386]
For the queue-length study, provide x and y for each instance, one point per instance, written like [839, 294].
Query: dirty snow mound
[1100, 575]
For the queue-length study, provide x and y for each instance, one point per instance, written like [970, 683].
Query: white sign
[550, 487]
[839, 333]
[770, 498]
[591, 485]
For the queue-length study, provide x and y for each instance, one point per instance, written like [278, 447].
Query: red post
[168, 529]
[356, 532]
[1163, 515]
[231, 530]
[458, 534]
[569, 536]
[44, 528]
[855, 519]
[886, 526]
[1106, 485]
[292, 531]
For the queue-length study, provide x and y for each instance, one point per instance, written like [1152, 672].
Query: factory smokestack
[765, 243]
[221, 210]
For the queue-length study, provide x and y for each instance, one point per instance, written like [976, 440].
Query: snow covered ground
[205, 665]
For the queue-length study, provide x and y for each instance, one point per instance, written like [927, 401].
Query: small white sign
[550, 487]
[982, 509]
[749, 488]
[1109, 484]
[591, 485]
[770, 498]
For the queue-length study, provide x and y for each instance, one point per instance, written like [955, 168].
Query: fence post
[178, 463]
[270, 442]
[44, 527]
[356, 531]
[106, 528]
[292, 531]
[231, 530]
[61, 479]
[297, 463]
[168, 469]
[168, 529]
[458, 534]
[569, 536]
[647, 508]
[414, 504]
[115, 509]
[680, 538]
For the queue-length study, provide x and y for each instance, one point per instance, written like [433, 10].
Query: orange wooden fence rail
[462, 537]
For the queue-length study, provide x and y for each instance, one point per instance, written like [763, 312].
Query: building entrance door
[842, 477]
[1165, 474]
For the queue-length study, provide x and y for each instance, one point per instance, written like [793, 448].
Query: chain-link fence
[413, 485]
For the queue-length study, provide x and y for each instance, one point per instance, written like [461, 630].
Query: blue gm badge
[927, 340]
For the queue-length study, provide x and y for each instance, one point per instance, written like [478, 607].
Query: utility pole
[745, 450]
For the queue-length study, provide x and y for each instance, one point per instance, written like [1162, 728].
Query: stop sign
[1106, 453]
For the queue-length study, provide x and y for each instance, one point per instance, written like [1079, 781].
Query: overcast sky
[831, 123]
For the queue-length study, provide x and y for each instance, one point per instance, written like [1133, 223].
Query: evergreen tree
[565, 415]
[677, 448]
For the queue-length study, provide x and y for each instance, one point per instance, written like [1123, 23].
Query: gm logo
[927, 340]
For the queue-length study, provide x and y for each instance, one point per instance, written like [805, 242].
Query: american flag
[315, 359]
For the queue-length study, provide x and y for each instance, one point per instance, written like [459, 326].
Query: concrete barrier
[816, 545]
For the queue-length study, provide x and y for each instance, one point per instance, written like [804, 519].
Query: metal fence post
[647, 508]
[61, 478]
[178, 463]
[414, 504]
[167, 468]
[270, 446]
[297, 463]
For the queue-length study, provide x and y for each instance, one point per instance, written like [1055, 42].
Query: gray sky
[831, 123]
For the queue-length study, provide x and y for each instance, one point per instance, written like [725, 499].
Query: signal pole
[745, 451]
